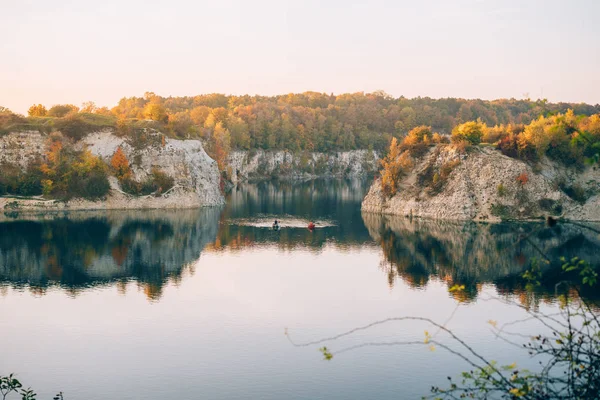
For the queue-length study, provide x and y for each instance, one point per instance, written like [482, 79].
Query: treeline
[307, 121]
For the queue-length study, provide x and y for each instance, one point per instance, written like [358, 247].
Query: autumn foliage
[394, 166]
[120, 164]
[72, 173]
[523, 178]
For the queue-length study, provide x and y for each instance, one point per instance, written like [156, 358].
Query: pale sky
[71, 51]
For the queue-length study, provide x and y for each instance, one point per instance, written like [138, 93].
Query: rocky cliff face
[196, 175]
[483, 184]
[260, 165]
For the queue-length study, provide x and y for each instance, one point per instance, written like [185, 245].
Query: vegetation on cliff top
[319, 122]
[305, 121]
[569, 139]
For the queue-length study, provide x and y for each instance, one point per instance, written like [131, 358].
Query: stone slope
[484, 186]
[196, 175]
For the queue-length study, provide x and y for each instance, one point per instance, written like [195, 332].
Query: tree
[395, 164]
[88, 107]
[61, 110]
[120, 164]
[470, 132]
[155, 112]
[37, 110]
[221, 145]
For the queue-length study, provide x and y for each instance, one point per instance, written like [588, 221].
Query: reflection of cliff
[337, 201]
[77, 250]
[471, 254]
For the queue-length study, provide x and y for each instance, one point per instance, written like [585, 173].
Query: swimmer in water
[276, 225]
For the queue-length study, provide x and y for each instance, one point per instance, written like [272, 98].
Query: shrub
[46, 187]
[23, 183]
[434, 179]
[501, 190]
[72, 173]
[471, 132]
[439, 139]
[97, 185]
[550, 205]
[394, 166]
[10, 121]
[523, 178]
[74, 127]
[158, 182]
[575, 192]
[494, 134]
[500, 211]
[417, 141]
[161, 181]
[140, 138]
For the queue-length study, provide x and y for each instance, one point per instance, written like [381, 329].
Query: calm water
[194, 304]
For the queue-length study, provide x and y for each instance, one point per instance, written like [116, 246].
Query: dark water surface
[194, 304]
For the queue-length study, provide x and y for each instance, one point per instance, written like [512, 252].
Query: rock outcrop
[196, 175]
[261, 164]
[485, 185]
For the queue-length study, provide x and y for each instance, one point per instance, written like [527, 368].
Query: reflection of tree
[470, 254]
[76, 251]
[338, 200]
[233, 237]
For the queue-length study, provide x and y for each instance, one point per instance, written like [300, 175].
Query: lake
[196, 304]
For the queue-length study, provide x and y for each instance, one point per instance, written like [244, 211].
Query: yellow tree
[37, 110]
[394, 165]
[88, 107]
[221, 145]
[155, 112]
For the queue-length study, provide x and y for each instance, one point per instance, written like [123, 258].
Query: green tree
[61, 110]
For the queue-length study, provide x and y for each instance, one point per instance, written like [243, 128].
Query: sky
[71, 51]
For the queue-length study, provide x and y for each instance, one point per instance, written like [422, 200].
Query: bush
[501, 190]
[417, 141]
[158, 182]
[501, 211]
[575, 192]
[96, 186]
[16, 182]
[550, 205]
[471, 132]
[523, 178]
[61, 110]
[72, 173]
[74, 127]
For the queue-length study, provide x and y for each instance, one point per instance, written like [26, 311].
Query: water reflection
[152, 248]
[78, 250]
[471, 254]
[336, 201]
